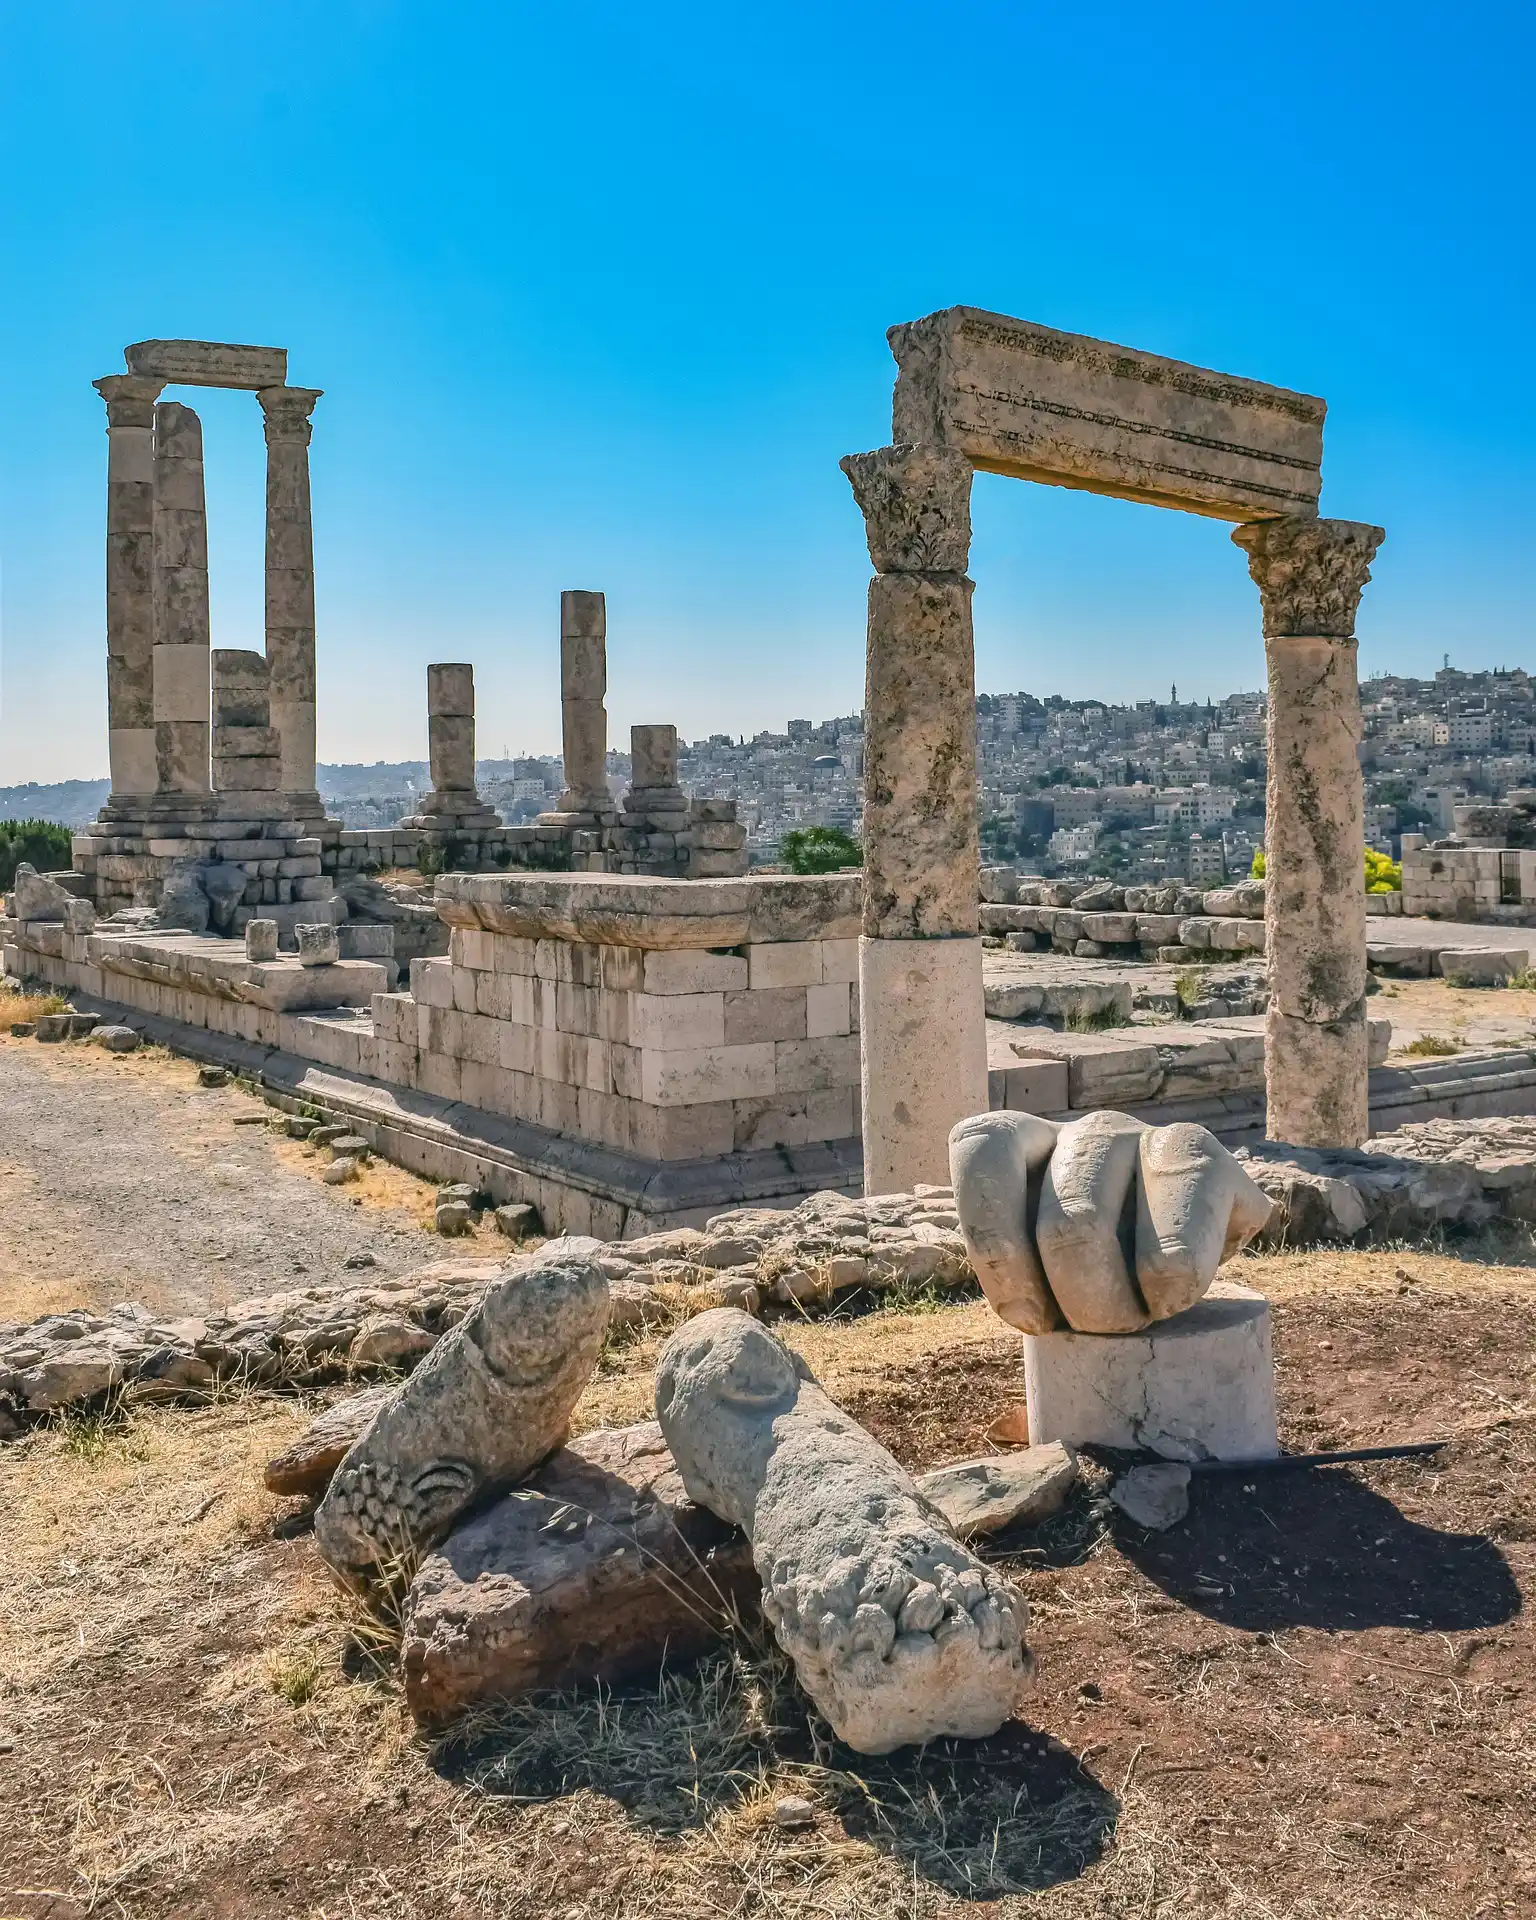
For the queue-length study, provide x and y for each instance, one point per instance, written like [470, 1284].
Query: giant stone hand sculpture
[897, 1633]
[1104, 1224]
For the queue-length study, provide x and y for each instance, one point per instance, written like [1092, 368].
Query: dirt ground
[122, 1179]
[1459, 1016]
[1310, 1702]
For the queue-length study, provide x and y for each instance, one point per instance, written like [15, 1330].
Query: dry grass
[203, 1727]
[20, 1005]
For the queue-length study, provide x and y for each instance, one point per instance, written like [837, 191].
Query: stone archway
[981, 390]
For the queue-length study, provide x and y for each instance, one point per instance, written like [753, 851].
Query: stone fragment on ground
[1440, 1175]
[306, 1467]
[490, 1401]
[598, 1567]
[1001, 1490]
[115, 1039]
[898, 1634]
[1155, 1497]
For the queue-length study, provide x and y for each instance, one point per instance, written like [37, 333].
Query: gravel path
[122, 1179]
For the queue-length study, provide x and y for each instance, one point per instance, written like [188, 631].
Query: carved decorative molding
[1310, 573]
[916, 502]
[130, 398]
[286, 410]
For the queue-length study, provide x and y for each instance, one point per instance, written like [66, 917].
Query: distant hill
[75, 803]
[71, 803]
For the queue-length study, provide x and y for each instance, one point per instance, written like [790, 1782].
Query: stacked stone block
[247, 755]
[453, 806]
[1470, 883]
[670, 1055]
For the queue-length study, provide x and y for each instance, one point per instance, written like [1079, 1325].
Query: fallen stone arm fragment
[898, 1634]
[488, 1403]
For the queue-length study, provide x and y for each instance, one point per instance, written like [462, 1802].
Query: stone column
[451, 732]
[181, 686]
[924, 1049]
[291, 588]
[1311, 574]
[130, 581]
[454, 800]
[653, 787]
[246, 754]
[584, 718]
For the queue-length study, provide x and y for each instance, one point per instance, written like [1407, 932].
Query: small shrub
[1096, 1020]
[1434, 1044]
[1524, 980]
[820, 850]
[1382, 874]
[1189, 985]
[41, 843]
[21, 1006]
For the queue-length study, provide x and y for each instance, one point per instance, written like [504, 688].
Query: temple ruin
[980, 391]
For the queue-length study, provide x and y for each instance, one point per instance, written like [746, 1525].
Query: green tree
[41, 843]
[820, 850]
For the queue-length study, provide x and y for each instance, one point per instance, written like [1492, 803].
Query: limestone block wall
[1470, 883]
[666, 1054]
[711, 845]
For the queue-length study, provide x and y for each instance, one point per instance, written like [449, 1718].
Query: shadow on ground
[977, 1819]
[1320, 1549]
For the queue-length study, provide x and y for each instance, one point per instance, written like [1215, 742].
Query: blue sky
[598, 296]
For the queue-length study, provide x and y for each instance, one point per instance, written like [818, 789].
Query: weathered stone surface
[1002, 1490]
[489, 1402]
[598, 1567]
[1026, 400]
[1311, 574]
[1154, 1497]
[261, 940]
[924, 1055]
[898, 1635]
[38, 897]
[307, 1465]
[207, 363]
[916, 502]
[115, 1039]
[1105, 1223]
[1200, 1386]
[318, 945]
[1482, 966]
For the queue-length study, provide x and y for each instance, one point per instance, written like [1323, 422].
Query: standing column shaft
[181, 668]
[291, 586]
[583, 716]
[130, 580]
[451, 730]
[1311, 574]
[923, 1030]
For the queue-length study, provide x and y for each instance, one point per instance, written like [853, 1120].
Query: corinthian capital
[286, 411]
[916, 502]
[130, 398]
[1310, 573]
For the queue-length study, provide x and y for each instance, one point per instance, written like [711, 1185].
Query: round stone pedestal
[1200, 1386]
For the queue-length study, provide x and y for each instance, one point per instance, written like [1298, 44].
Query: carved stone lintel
[286, 410]
[130, 399]
[916, 502]
[1310, 573]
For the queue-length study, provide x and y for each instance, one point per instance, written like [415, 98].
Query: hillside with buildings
[1158, 790]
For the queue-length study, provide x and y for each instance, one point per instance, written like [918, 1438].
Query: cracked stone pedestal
[1200, 1386]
